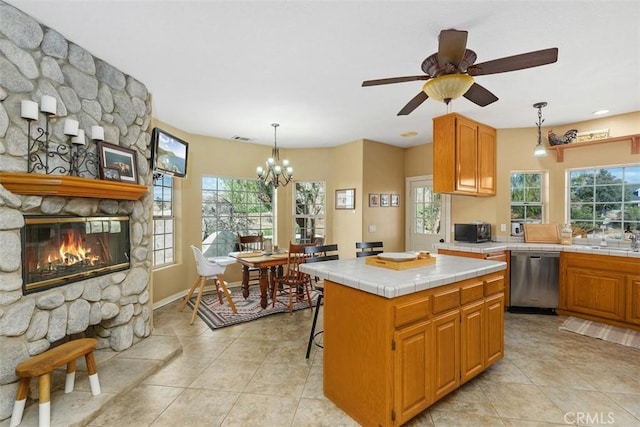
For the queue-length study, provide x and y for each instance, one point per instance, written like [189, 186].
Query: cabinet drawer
[446, 300]
[411, 311]
[494, 284]
[472, 291]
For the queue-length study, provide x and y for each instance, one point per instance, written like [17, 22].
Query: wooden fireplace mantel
[34, 184]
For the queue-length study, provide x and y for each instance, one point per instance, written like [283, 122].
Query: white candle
[48, 104]
[79, 139]
[71, 127]
[29, 110]
[97, 133]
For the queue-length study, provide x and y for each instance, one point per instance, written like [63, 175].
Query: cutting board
[399, 265]
[541, 233]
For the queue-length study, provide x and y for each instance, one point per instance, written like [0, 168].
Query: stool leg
[313, 325]
[44, 407]
[70, 381]
[94, 382]
[21, 399]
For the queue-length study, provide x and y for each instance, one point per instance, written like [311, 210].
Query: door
[412, 371]
[446, 354]
[427, 215]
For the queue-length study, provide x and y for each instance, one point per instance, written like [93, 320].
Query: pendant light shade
[540, 150]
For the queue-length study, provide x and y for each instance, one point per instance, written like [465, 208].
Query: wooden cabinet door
[596, 292]
[472, 340]
[446, 353]
[486, 160]
[494, 328]
[633, 299]
[466, 156]
[412, 367]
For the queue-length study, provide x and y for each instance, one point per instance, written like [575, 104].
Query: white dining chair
[211, 268]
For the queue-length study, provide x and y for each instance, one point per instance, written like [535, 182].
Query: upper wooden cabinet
[464, 156]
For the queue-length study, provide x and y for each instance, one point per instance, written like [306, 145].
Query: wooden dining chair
[208, 269]
[254, 242]
[368, 248]
[318, 254]
[293, 283]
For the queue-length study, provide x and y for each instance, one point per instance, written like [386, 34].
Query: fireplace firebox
[60, 250]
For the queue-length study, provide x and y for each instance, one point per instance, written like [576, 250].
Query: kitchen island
[396, 341]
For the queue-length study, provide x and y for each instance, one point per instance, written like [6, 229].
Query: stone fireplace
[111, 304]
[59, 250]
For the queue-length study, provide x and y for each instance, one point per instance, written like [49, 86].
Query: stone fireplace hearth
[115, 308]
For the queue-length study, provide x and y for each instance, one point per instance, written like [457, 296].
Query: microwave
[472, 233]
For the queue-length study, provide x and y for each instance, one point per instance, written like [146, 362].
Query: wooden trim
[34, 184]
[559, 149]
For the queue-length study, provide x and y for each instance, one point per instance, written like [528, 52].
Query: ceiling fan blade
[516, 62]
[413, 104]
[480, 96]
[451, 47]
[394, 80]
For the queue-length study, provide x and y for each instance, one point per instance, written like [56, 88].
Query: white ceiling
[225, 68]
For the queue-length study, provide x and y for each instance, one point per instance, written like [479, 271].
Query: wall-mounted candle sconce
[47, 157]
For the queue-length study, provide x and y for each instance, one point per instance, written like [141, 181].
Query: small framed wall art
[385, 200]
[346, 198]
[395, 200]
[374, 200]
[119, 158]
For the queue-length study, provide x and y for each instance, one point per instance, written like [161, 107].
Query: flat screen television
[168, 154]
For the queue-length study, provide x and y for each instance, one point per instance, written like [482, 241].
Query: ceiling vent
[240, 138]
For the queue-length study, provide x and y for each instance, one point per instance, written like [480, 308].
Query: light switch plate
[503, 227]
[372, 229]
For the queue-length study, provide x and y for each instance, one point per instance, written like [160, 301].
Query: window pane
[604, 200]
[230, 207]
[309, 211]
[163, 220]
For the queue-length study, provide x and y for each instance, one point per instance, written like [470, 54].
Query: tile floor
[255, 374]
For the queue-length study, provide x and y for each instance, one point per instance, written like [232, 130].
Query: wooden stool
[42, 365]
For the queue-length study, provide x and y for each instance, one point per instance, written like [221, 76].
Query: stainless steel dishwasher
[534, 281]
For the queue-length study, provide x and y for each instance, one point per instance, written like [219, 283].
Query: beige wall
[383, 174]
[372, 167]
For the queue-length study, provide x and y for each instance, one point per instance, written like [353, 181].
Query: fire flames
[70, 252]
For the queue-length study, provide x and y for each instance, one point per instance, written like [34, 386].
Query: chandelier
[539, 151]
[275, 173]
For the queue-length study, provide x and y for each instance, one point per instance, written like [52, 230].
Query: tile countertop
[388, 283]
[489, 247]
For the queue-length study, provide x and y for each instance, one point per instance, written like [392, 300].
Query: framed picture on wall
[395, 200]
[346, 198]
[385, 200]
[374, 200]
[120, 158]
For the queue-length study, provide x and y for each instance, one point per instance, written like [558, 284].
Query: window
[605, 201]
[309, 223]
[163, 221]
[527, 197]
[231, 206]
[427, 210]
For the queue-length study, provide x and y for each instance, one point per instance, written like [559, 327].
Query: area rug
[627, 337]
[217, 315]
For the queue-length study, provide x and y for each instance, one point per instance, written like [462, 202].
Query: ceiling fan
[453, 65]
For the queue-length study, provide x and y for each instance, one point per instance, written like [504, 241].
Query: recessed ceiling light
[408, 134]
[600, 112]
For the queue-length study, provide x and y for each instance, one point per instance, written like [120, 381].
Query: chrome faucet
[634, 242]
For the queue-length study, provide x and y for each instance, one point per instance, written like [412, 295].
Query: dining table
[267, 263]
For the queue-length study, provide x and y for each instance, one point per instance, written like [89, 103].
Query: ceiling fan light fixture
[447, 87]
